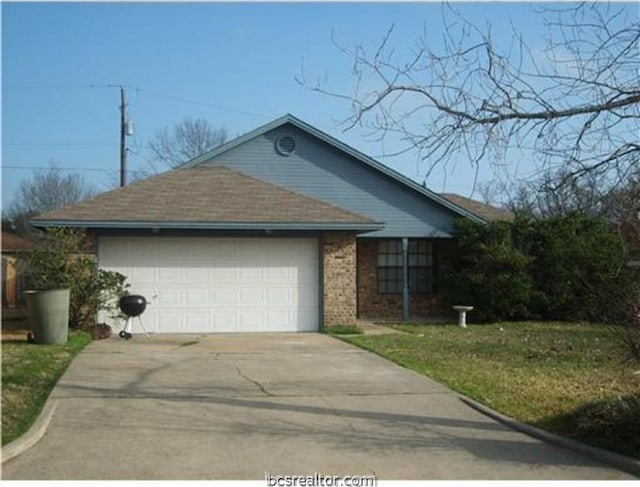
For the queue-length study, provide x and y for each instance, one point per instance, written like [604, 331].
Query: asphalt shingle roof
[204, 194]
[487, 212]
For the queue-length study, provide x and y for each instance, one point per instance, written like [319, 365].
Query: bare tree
[575, 104]
[545, 197]
[45, 191]
[190, 138]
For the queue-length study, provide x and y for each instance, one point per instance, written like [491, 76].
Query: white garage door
[206, 285]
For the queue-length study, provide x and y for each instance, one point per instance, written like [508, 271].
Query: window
[390, 266]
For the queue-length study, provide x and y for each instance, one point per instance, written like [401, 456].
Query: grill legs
[126, 331]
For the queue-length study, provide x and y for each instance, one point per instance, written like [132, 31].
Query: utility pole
[123, 138]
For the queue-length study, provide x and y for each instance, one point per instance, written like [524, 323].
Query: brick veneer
[372, 305]
[339, 254]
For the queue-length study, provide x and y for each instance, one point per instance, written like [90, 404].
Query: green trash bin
[49, 315]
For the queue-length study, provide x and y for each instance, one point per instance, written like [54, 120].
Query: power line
[63, 168]
[144, 91]
[50, 87]
[58, 144]
[195, 102]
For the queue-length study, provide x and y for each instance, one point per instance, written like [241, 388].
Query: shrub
[578, 267]
[487, 271]
[569, 267]
[64, 261]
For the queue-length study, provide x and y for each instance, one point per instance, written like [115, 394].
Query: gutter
[182, 225]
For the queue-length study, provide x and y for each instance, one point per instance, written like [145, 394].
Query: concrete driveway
[237, 406]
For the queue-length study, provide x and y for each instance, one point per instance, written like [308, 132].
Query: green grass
[343, 330]
[566, 378]
[29, 372]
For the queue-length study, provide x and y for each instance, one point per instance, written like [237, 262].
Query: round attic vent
[285, 145]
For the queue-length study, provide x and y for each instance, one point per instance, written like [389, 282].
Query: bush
[568, 267]
[578, 267]
[488, 272]
[64, 261]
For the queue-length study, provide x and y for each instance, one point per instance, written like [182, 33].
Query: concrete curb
[616, 460]
[33, 435]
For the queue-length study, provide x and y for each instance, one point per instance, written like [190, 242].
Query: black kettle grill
[132, 305]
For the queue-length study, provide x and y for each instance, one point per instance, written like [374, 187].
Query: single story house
[282, 229]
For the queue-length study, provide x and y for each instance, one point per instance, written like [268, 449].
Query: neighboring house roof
[206, 198]
[15, 243]
[483, 210]
[290, 119]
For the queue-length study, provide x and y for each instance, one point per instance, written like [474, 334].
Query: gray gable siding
[322, 171]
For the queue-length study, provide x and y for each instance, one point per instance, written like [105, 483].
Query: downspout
[321, 240]
[405, 279]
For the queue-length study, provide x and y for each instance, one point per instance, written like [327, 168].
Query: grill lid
[132, 304]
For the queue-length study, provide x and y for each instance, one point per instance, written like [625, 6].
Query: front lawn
[29, 372]
[565, 378]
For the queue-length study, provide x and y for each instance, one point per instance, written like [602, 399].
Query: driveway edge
[33, 435]
[616, 460]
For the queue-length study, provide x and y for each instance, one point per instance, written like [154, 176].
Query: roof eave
[182, 225]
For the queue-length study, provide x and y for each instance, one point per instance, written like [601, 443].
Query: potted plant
[66, 288]
[47, 295]
[48, 283]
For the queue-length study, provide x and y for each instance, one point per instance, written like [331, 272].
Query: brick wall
[372, 305]
[339, 278]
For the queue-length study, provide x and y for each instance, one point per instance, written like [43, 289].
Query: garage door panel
[226, 297]
[140, 273]
[251, 319]
[198, 297]
[198, 321]
[280, 295]
[225, 321]
[222, 274]
[170, 297]
[198, 274]
[168, 319]
[279, 274]
[171, 274]
[252, 296]
[220, 285]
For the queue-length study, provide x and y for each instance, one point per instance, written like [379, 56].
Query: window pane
[389, 253]
[389, 280]
[394, 260]
[420, 260]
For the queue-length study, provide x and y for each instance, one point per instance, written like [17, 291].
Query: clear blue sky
[231, 63]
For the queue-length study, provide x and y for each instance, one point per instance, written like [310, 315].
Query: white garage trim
[208, 285]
